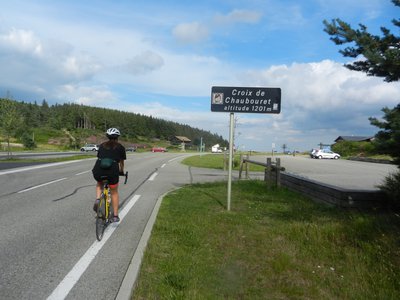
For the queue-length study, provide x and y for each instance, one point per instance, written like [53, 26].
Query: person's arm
[121, 166]
[122, 159]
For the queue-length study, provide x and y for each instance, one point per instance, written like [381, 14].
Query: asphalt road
[47, 227]
[48, 245]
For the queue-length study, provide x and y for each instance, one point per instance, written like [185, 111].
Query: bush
[347, 148]
[28, 141]
[391, 186]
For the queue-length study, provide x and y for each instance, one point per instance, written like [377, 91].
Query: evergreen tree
[10, 120]
[388, 138]
[382, 59]
[381, 53]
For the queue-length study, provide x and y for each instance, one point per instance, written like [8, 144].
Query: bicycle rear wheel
[101, 223]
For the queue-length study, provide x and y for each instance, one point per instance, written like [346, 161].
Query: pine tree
[381, 53]
[382, 59]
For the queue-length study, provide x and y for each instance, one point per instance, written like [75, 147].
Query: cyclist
[110, 163]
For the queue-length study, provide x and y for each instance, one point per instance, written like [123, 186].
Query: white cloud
[238, 16]
[22, 41]
[180, 75]
[325, 85]
[144, 63]
[80, 67]
[194, 32]
[99, 95]
[43, 64]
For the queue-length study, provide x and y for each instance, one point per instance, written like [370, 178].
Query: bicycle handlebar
[126, 176]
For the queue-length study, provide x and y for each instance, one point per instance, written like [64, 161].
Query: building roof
[183, 139]
[354, 138]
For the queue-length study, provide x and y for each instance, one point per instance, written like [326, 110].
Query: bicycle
[104, 212]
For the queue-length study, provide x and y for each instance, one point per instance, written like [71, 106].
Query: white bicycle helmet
[113, 133]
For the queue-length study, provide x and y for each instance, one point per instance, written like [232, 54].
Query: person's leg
[115, 199]
[99, 188]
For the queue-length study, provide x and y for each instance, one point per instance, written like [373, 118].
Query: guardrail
[275, 174]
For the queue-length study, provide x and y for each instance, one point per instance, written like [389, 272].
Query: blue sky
[161, 58]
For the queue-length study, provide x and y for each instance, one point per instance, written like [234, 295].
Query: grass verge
[216, 161]
[45, 160]
[273, 244]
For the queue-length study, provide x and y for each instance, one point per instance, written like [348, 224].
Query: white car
[324, 153]
[90, 147]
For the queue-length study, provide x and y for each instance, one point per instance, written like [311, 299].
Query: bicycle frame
[103, 219]
[106, 196]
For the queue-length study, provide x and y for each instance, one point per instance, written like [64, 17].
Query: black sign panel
[246, 100]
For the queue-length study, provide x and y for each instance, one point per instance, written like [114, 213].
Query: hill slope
[86, 123]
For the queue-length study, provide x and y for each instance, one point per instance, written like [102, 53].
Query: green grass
[273, 244]
[216, 161]
[46, 160]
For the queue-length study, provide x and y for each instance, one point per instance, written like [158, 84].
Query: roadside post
[243, 100]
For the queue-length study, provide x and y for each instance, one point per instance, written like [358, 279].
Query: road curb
[127, 286]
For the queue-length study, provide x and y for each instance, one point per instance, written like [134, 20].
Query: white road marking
[40, 185]
[176, 158]
[38, 167]
[66, 285]
[153, 176]
[82, 173]
[163, 166]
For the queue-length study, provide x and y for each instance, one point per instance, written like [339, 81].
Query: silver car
[324, 153]
[90, 147]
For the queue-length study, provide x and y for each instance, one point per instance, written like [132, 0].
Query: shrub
[28, 141]
[347, 148]
[391, 186]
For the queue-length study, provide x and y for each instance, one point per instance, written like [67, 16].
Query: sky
[161, 58]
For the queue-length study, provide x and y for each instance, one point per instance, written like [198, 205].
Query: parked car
[158, 149]
[324, 153]
[130, 149]
[90, 147]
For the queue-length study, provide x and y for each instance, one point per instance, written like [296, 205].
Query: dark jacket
[116, 153]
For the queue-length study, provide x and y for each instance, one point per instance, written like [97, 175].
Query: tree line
[18, 118]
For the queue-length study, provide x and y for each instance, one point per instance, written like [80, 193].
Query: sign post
[231, 126]
[243, 100]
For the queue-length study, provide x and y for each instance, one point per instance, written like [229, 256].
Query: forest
[19, 119]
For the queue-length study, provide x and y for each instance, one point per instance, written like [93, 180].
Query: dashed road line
[40, 185]
[151, 178]
[82, 173]
[23, 169]
[69, 281]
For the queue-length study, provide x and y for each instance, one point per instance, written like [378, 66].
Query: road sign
[243, 100]
[246, 100]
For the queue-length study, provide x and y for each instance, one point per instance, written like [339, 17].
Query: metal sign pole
[231, 126]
